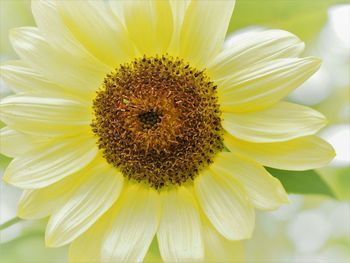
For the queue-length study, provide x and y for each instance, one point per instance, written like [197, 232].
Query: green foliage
[153, 255]
[304, 18]
[302, 182]
[12, 14]
[9, 223]
[4, 162]
[30, 247]
[339, 179]
[342, 182]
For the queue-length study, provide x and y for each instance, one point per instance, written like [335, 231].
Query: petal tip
[247, 233]
[51, 241]
[323, 120]
[333, 153]
[48, 242]
[316, 62]
[5, 178]
[299, 48]
[12, 180]
[21, 212]
[241, 236]
[284, 198]
[51, 238]
[8, 179]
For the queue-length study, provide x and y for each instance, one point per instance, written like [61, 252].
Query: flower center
[157, 120]
[149, 119]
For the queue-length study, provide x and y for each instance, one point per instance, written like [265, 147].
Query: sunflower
[131, 124]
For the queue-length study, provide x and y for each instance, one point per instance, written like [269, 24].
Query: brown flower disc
[157, 119]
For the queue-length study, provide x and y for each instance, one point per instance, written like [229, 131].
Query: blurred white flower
[309, 231]
[339, 137]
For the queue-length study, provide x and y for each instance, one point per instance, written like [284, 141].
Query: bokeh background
[313, 228]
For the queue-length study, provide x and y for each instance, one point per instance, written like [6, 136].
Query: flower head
[131, 121]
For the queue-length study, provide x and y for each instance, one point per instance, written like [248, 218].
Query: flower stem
[9, 223]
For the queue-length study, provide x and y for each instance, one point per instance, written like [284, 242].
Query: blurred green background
[313, 228]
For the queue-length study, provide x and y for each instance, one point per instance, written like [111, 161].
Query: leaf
[339, 180]
[302, 182]
[153, 254]
[4, 162]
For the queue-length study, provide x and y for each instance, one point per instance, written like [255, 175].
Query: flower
[130, 121]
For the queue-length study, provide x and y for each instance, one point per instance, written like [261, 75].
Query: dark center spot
[149, 119]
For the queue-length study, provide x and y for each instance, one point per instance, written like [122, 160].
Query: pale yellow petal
[117, 9]
[134, 227]
[65, 68]
[149, 24]
[255, 47]
[14, 143]
[204, 29]
[51, 25]
[101, 34]
[179, 9]
[303, 153]
[20, 77]
[94, 196]
[39, 203]
[264, 191]
[283, 121]
[41, 115]
[262, 85]
[179, 234]
[219, 249]
[124, 233]
[226, 204]
[51, 162]
[87, 247]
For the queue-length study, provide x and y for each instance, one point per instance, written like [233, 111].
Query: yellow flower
[131, 121]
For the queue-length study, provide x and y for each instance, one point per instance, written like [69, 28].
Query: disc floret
[157, 119]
